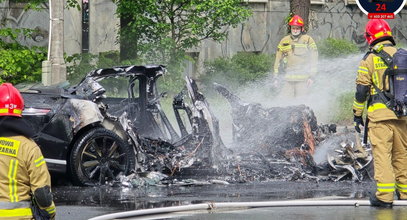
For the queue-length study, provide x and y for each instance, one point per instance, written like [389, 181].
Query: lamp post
[54, 68]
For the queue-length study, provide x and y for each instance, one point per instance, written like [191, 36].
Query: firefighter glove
[358, 121]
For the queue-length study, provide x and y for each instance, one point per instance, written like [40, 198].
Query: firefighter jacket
[298, 57]
[371, 70]
[22, 171]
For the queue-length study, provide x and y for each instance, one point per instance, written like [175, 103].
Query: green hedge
[239, 70]
[332, 48]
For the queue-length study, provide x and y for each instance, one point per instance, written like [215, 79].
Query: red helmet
[296, 20]
[11, 101]
[375, 29]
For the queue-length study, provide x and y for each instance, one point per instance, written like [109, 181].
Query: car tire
[98, 156]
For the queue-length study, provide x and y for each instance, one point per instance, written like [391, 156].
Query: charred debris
[275, 143]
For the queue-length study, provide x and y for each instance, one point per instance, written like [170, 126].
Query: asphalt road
[293, 213]
[86, 202]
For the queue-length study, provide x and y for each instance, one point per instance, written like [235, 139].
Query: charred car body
[112, 124]
[96, 134]
[282, 142]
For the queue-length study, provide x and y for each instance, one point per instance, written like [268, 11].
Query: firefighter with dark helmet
[386, 130]
[296, 57]
[25, 183]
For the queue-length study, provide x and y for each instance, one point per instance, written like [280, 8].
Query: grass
[343, 110]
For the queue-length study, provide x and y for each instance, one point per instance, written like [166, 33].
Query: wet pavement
[297, 213]
[86, 202]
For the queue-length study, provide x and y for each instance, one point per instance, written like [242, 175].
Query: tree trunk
[301, 8]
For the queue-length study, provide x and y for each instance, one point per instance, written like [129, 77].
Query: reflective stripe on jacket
[22, 171]
[15, 209]
[299, 56]
[370, 71]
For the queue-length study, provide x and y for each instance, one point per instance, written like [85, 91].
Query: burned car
[111, 128]
[112, 123]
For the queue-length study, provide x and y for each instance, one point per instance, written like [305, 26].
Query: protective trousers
[389, 146]
[293, 89]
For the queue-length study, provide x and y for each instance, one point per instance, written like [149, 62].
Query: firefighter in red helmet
[386, 130]
[297, 57]
[24, 178]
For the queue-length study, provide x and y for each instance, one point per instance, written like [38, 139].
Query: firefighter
[25, 184]
[297, 57]
[386, 131]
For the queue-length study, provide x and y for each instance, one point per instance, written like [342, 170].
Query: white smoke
[335, 77]
[328, 146]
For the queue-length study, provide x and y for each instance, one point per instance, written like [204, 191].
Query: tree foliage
[171, 26]
[19, 63]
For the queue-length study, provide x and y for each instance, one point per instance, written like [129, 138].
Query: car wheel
[99, 156]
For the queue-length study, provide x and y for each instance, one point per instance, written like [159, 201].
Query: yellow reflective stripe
[375, 79]
[385, 184]
[12, 173]
[358, 105]
[50, 210]
[38, 162]
[39, 159]
[372, 91]
[284, 48]
[313, 45]
[401, 187]
[17, 111]
[363, 70]
[15, 212]
[376, 106]
[385, 187]
[386, 190]
[297, 76]
[6, 110]
[381, 33]
[300, 45]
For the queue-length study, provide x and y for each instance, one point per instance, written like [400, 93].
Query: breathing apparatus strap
[388, 60]
[378, 50]
[386, 100]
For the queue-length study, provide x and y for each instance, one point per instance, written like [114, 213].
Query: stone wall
[261, 33]
[102, 32]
